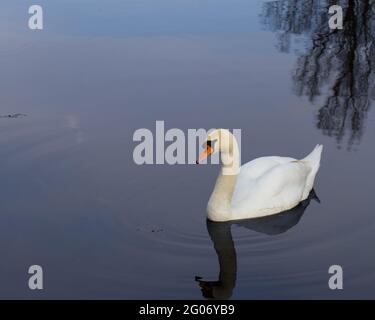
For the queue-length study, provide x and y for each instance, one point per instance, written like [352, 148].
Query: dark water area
[74, 201]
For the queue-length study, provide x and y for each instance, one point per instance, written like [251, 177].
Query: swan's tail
[314, 157]
[313, 160]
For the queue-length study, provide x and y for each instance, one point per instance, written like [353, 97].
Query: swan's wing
[259, 166]
[253, 170]
[277, 189]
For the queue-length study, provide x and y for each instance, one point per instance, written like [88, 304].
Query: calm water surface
[74, 202]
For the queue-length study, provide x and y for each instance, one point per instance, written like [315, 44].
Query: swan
[259, 188]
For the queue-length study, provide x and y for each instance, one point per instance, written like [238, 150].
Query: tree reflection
[340, 61]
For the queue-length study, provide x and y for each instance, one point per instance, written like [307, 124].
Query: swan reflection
[221, 236]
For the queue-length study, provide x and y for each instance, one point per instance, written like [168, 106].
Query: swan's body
[261, 187]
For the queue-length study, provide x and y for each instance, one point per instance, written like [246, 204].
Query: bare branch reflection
[339, 61]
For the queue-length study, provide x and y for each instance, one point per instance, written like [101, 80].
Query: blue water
[74, 201]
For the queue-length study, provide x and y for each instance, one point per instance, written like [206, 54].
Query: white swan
[261, 187]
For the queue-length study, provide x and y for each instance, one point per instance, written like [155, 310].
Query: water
[74, 202]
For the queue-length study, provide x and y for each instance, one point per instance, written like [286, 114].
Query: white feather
[263, 186]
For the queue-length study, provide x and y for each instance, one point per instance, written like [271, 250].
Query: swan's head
[224, 142]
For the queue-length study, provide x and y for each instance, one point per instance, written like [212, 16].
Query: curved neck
[219, 205]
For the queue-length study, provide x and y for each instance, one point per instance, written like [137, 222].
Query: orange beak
[205, 154]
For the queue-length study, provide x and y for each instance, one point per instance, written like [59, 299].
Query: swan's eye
[210, 144]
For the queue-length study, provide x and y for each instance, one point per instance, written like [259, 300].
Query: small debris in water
[13, 116]
[156, 230]
[149, 229]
